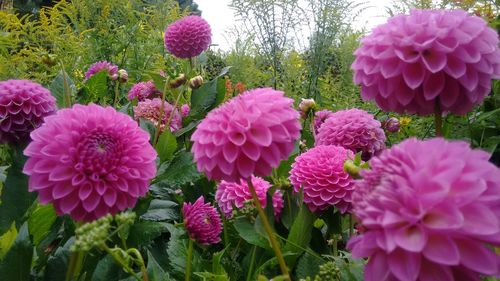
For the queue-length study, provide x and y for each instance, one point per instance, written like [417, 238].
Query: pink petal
[413, 75]
[442, 250]
[404, 265]
[411, 238]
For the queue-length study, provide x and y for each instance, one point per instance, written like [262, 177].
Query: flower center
[99, 152]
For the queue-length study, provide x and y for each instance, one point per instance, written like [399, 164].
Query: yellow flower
[404, 121]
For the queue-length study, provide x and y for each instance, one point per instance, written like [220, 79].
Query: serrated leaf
[147, 126]
[145, 231]
[300, 234]
[155, 272]
[208, 96]
[58, 261]
[16, 199]
[187, 128]
[16, 265]
[98, 85]
[307, 265]
[177, 252]
[247, 231]
[60, 87]
[166, 146]
[107, 270]
[40, 222]
[161, 210]
[7, 239]
[179, 171]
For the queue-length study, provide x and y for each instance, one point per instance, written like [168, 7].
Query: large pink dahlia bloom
[99, 66]
[429, 210]
[150, 110]
[320, 173]
[188, 37]
[429, 57]
[89, 161]
[202, 222]
[354, 129]
[142, 91]
[23, 106]
[231, 194]
[249, 134]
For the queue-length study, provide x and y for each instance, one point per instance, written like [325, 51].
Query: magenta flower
[249, 134]
[320, 173]
[188, 37]
[231, 194]
[429, 57]
[391, 125]
[202, 222]
[89, 161]
[23, 106]
[354, 129]
[429, 209]
[150, 110]
[102, 66]
[185, 110]
[320, 118]
[143, 90]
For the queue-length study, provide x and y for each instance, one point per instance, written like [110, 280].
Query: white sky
[221, 17]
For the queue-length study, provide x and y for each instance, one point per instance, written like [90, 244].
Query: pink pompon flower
[89, 161]
[188, 37]
[249, 134]
[143, 90]
[185, 110]
[354, 129]
[430, 211]
[202, 222]
[231, 194]
[99, 66]
[150, 110]
[428, 60]
[23, 106]
[320, 118]
[320, 173]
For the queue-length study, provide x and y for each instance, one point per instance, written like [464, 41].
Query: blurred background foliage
[306, 50]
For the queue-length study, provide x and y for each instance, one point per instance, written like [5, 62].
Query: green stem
[438, 120]
[140, 261]
[160, 119]
[75, 265]
[334, 245]
[167, 125]
[188, 260]
[350, 225]
[252, 262]
[269, 231]
[117, 93]
[120, 262]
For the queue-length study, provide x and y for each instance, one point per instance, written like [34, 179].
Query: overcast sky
[221, 17]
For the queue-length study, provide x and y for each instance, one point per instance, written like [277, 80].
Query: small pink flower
[202, 222]
[250, 134]
[143, 90]
[23, 106]
[89, 161]
[430, 210]
[320, 173]
[185, 110]
[102, 66]
[150, 110]
[231, 194]
[188, 37]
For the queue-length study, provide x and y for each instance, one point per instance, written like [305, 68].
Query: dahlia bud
[391, 125]
[302, 145]
[92, 234]
[196, 82]
[122, 76]
[177, 82]
[305, 106]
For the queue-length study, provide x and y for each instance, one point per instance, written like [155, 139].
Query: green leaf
[16, 265]
[179, 171]
[147, 126]
[300, 233]
[40, 222]
[177, 252]
[247, 231]
[161, 210]
[308, 265]
[98, 85]
[187, 128]
[58, 263]
[7, 239]
[155, 272]
[166, 146]
[107, 270]
[145, 231]
[208, 96]
[60, 86]
[16, 199]
[158, 80]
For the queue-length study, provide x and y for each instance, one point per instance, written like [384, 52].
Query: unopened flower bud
[196, 82]
[177, 82]
[305, 106]
[391, 125]
[122, 76]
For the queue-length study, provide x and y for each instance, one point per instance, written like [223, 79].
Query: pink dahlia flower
[188, 37]
[23, 106]
[185, 110]
[354, 129]
[150, 110]
[320, 118]
[102, 66]
[89, 161]
[231, 194]
[431, 211]
[320, 173]
[429, 57]
[202, 222]
[249, 134]
[142, 91]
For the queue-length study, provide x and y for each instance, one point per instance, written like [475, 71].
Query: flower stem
[438, 119]
[252, 263]
[75, 265]
[117, 93]
[160, 119]
[188, 260]
[269, 231]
